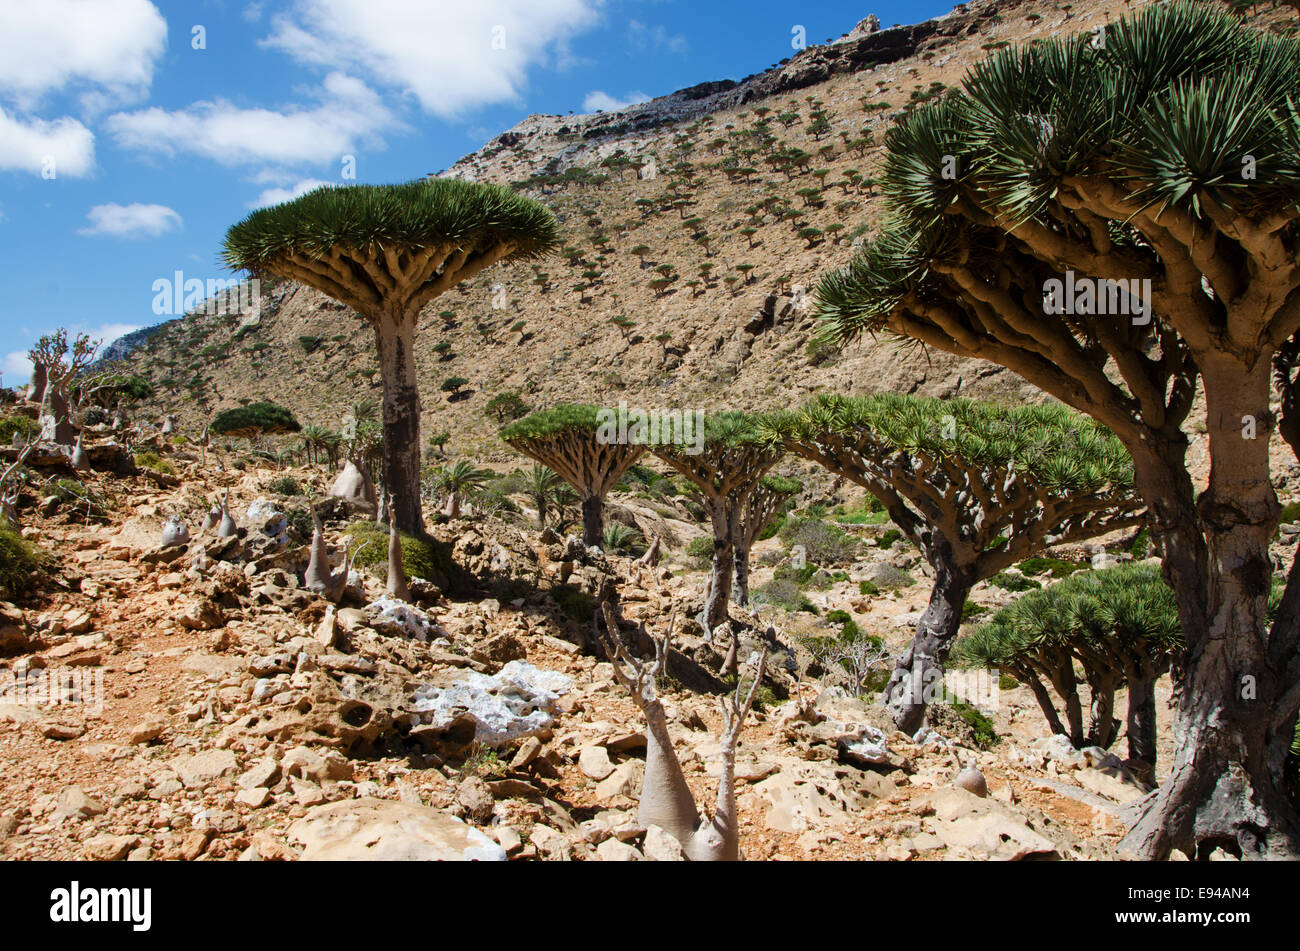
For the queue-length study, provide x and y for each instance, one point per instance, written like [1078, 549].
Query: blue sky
[134, 133]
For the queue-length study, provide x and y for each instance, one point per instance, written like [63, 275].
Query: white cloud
[130, 221]
[107, 333]
[30, 145]
[16, 368]
[349, 114]
[599, 101]
[275, 196]
[48, 45]
[654, 38]
[450, 55]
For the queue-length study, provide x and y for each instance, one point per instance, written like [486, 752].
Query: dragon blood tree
[386, 251]
[975, 487]
[1119, 223]
[727, 469]
[571, 439]
[1118, 625]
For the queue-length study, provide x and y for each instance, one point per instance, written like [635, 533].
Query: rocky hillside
[698, 221]
[193, 701]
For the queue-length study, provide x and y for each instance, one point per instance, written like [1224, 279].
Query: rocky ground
[244, 718]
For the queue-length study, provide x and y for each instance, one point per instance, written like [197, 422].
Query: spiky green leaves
[370, 220]
[550, 422]
[1050, 445]
[1127, 606]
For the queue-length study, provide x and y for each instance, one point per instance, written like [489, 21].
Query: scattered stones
[551, 845]
[75, 803]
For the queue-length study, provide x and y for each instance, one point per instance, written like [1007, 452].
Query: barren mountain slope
[707, 176]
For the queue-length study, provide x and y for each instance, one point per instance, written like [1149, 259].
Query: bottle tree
[1119, 222]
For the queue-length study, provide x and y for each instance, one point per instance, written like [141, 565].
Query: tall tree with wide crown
[386, 251]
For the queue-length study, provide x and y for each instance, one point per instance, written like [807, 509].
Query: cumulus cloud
[599, 101]
[50, 45]
[450, 56]
[275, 196]
[654, 38]
[349, 114]
[16, 368]
[130, 221]
[62, 147]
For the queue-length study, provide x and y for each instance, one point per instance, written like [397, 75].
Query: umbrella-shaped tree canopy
[386, 251]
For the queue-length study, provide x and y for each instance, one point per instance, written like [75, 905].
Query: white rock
[661, 846]
[612, 850]
[594, 762]
[386, 830]
[399, 619]
[516, 702]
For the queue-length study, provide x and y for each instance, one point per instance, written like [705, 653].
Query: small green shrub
[1013, 582]
[154, 463]
[822, 542]
[21, 564]
[79, 495]
[887, 577]
[986, 737]
[784, 593]
[574, 602]
[837, 616]
[700, 551]
[970, 609]
[889, 537]
[425, 558]
[483, 761]
[623, 539]
[1056, 567]
[25, 426]
[300, 523]
[868, 588]
[285, 485]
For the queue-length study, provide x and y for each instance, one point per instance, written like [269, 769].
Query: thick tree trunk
[723, 516]
[740, 586]
[395, 339]
[1142, 718]
[1235, 719]
[36, 386]
[918, 673]
[1066, 684]
[593, 520]
[1102, 725]
[56, 424]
